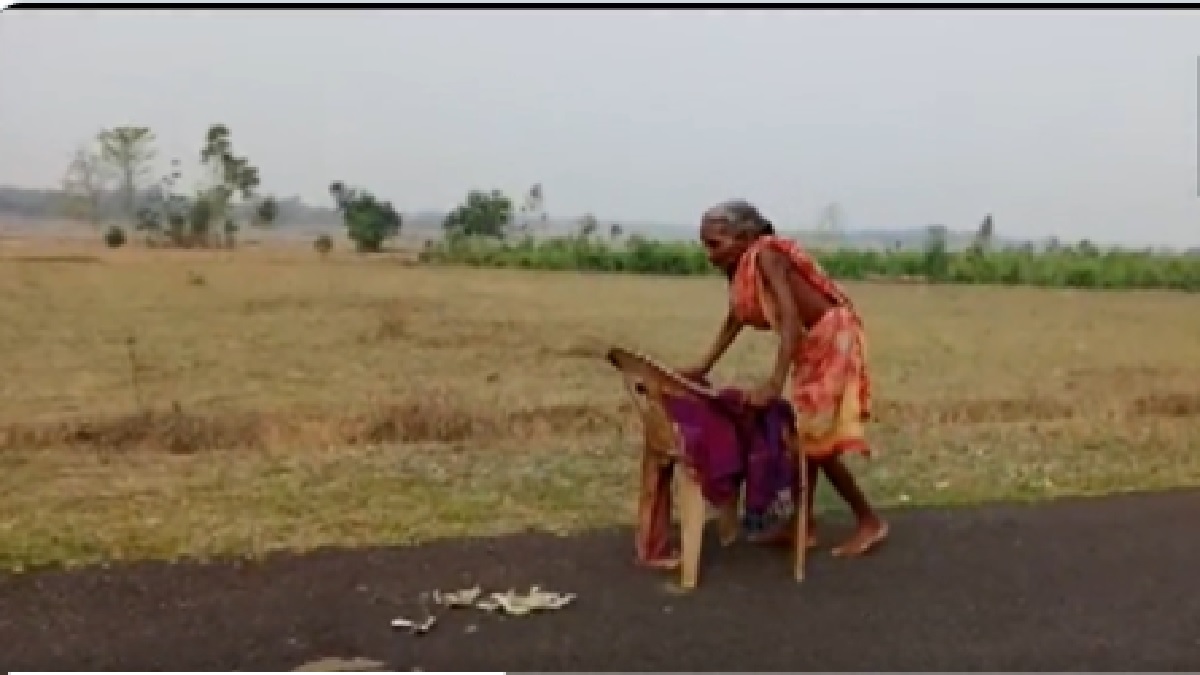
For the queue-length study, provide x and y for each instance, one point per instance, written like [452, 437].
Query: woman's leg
[828, 397]
[871, 529]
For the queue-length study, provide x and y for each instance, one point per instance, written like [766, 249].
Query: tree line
[490, 229]
[105, 207]
[118, 165]
[482, 232]
[112, 180]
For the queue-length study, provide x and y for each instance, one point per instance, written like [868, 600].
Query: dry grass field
[162, 404]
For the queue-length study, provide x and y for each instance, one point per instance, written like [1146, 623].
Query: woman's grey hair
[741, 217]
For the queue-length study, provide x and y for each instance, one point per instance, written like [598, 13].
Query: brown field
[162, 404]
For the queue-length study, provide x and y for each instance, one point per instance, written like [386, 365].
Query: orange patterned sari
[830, 386]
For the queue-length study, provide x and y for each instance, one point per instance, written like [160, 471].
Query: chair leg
[802, 518]
[691, 525]
[652, 534]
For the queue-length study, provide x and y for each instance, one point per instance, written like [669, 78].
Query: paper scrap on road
[509, 602]
[516, 604]
[416, 627]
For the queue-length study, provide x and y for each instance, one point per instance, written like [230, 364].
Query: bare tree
[532, 209]
[987, 230]
[982, 242]
[128, 151]
[86, 180]
[535, 202]
[829, 224]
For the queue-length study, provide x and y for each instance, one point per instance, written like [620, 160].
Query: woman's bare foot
[866, 538]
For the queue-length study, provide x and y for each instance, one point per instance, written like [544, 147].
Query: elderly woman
[775, 285]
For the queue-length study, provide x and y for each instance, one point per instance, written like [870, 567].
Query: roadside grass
[275, 401]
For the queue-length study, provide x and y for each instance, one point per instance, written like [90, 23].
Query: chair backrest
[650, 384]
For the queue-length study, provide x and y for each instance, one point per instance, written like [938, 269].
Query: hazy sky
[1081, 124]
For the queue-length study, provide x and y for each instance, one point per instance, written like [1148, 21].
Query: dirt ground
[1098, 584]
[215, 403]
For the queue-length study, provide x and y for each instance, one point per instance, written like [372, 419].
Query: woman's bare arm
[730, 328]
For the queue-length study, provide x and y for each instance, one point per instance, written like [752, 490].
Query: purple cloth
[730, 443]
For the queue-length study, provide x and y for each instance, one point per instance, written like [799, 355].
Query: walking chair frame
[651, 385]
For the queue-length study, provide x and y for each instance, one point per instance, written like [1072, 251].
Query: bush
[114, 237]
[323, 244]
[482, 214]
[369, 221]
[1115, 269]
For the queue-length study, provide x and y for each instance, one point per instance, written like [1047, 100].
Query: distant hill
[32, 205]
[299, 219]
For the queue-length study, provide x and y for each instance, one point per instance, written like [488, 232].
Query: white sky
[1080, 124]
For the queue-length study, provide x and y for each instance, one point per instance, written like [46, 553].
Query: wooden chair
[650, 385]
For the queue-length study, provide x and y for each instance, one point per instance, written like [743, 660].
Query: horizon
[560, 224]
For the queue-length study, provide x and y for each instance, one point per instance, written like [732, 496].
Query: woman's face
[724, 249]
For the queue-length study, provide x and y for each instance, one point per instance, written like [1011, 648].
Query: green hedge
[1086, 268]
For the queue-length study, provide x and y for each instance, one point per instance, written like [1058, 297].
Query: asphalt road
[1104, 584]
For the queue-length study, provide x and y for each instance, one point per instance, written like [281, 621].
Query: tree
[128, 151]
[483, 214]
[588, 226]
[209, 217]
[982, 243]
[165, 213]
[615, 231]
[230, 177]
[84, 184]
[369, 222]
[266, 212]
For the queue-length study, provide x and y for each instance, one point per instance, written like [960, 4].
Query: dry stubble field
[282, 401]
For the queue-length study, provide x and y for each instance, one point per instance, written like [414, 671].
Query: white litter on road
[415, 627]
[509, 602]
